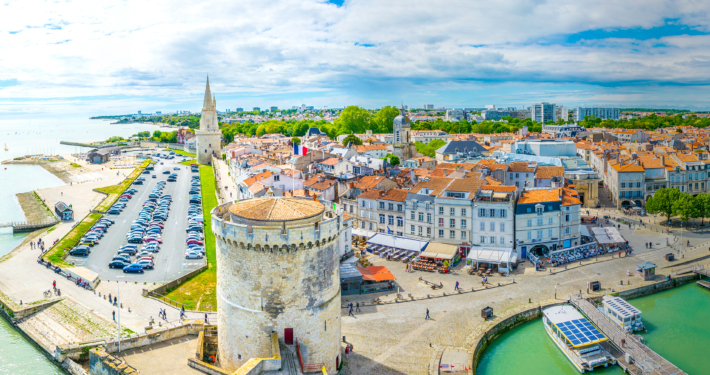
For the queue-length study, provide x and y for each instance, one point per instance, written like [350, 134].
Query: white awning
[585, 231]
[608, 235]
[398, 242]
[363, 232]
[497, 255]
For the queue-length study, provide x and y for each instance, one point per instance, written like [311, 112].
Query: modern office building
[603, 113]
[543, 112]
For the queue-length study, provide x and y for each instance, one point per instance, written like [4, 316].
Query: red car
[152, 239]
[194, 242]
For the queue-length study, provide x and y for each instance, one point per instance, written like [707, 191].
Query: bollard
[529, 300]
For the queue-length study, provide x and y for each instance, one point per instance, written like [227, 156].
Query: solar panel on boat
[580, 332]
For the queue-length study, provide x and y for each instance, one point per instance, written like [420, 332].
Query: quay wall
[534, 313]
[103, 363]
[81, 351]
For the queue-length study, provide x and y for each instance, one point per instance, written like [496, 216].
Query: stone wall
[102, 363]
[78, 351]
[163, 289]
[657, 287]
[270, 278]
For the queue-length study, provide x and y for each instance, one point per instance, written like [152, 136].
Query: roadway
[170, 262]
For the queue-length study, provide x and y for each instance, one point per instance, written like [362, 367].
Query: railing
[644, 357]
[165, 299]
[23, 226]
[307, 368]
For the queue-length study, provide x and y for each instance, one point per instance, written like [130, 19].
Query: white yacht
[577, 338]
[622, 314]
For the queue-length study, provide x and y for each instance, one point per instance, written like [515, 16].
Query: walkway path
[224, 181]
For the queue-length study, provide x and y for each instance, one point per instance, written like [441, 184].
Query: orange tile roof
[499, 188]
[520, 167]
[436, 184]
[368, 182]
[324, 185]
[370, 194]
[538, 196]
[313, 179]
[330, 161]
[544, 173]
[398, 195]
[492, 181]
[469, 184]
[276, 209]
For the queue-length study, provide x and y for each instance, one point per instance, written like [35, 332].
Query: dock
[635, 357]
[704, 284]
[23, 226]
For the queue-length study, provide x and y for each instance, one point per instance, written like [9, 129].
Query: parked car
[193, 255]
[118, 263]
[80, 251]
[133, 268]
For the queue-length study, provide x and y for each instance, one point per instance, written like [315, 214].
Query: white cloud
[161, 50]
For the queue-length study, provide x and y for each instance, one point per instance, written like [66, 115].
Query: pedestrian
[114, 315]
[427, 314]
[619, 254]
[357, 306]
[628, 273]
[688, 243]
[350, 311]
[160, 312]
[54, 284]
[206, 321]
[347, 351]
[457, 286]
[109, 299]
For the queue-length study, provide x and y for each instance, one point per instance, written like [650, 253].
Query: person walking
[350, 311]
[54, 285]
[457, 286]
[427, 314]
[114, 315]
[357, 306]
[206, 320]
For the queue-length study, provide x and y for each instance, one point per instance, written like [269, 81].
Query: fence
[307, 368]
[164, 299]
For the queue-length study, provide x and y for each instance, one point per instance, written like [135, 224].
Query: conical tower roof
[208, 96]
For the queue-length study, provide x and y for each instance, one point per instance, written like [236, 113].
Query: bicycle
[376, 300]
[47, 293]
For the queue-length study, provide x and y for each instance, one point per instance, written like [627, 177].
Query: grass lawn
[115, 191]
[75, 165]
[199, 292]
[180, 152]
[188, 162]
[56, 253]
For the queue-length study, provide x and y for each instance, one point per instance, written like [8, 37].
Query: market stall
[487, 260]
[439, 257]
[376, 279]
[350, 277]
[609, 239]
[395, 248]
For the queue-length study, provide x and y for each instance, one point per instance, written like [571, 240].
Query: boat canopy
[576, 329]
[621, 307]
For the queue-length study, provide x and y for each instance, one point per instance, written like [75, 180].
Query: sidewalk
[224, 181]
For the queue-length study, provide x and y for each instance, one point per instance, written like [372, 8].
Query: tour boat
[579, 340]
[622, 314]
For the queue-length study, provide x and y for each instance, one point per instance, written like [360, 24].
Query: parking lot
[169, 262]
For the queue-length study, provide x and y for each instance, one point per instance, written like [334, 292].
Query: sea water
[678, 330]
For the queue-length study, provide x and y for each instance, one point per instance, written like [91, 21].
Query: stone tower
[209, 137]
[278, 271]
[401, 134]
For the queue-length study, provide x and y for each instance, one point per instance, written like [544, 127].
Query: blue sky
[107, 57]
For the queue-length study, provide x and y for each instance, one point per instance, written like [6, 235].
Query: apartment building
[390, 212]
[546, 219]
[696, 172]
[453, 211]
[603, 113]
[494, 217]
[543, 112]
[367, 217]
[420, 208]
[626, 182]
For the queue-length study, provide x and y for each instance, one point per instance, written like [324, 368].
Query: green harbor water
[678, 329]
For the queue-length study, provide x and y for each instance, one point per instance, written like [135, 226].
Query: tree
[702, 202]
[684, 206]
[296, 140]
[384, 119]
[352, 138]
[662, 202]
[353, 119]
[392, 159]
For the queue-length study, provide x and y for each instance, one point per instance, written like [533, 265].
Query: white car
[193, 255]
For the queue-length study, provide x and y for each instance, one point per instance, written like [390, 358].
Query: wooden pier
[643, 360]
[704, 284]
[23, 226]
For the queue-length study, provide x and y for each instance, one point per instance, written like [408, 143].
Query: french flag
[299, 150]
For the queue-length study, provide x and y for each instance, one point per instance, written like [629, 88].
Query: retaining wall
[162, 289]
[102, 363]
[81, 351]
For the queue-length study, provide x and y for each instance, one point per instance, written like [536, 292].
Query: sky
[112, 57]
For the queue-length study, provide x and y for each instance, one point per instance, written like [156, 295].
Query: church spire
[207, 104]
